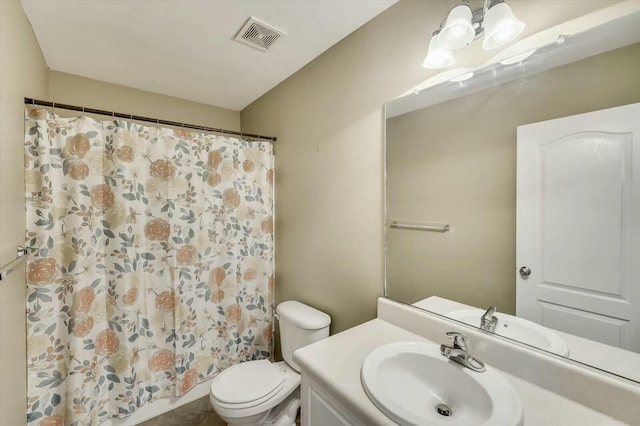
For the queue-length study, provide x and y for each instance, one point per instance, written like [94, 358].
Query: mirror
[496, 195]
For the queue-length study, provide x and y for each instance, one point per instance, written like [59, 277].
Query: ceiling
[185, 48]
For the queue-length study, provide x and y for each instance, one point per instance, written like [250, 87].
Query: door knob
[525, 271]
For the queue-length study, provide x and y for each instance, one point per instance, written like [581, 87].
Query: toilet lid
[246, 382]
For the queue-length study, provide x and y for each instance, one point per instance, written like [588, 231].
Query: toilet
[264, 393]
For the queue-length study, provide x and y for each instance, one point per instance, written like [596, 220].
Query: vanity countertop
[335, 364]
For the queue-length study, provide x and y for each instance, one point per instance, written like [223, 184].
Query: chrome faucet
[489, 322]
[458, 352]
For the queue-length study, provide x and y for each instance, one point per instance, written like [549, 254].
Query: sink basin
[518, 329]
[414, 385]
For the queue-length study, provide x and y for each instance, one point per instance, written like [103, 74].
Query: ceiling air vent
[258, 34]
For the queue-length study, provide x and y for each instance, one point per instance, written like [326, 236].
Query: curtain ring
[82, 112]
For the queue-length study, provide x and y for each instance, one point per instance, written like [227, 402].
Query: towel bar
[21, 255]
[436, 228]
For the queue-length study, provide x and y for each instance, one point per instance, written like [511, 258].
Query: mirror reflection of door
[578, 225]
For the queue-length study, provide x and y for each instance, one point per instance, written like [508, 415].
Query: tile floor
[196, 413]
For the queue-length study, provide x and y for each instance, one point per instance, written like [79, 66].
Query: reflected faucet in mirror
[488, 321]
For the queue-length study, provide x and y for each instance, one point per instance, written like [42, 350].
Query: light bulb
[437, 56]
[500, 26]
[504, 33]
[458, 30]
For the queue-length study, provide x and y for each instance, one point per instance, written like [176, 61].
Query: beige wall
[328, 119]
[23, 73]
[329, 177]
[80, 91]
[457, 162]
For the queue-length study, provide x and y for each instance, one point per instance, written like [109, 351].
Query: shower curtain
[153, 263]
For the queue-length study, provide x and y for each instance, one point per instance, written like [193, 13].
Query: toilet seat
[230, 387]
[285, 381]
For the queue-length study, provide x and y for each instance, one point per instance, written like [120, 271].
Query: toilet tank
[300, 325]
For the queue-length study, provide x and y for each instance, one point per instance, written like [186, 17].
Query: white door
[578, 225]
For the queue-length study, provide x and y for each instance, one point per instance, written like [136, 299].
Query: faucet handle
[489, 312]
[459, 340]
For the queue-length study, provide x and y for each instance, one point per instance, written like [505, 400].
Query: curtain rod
[30, 101]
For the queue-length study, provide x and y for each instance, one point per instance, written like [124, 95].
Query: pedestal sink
[413, 384]
[517, 329]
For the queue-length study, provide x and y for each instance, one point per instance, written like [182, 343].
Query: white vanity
[552, 390]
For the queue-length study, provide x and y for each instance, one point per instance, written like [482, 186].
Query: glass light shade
[458, 30]
[437, 56]
[500, 26]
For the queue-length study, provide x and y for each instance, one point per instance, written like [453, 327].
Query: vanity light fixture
[495, 20]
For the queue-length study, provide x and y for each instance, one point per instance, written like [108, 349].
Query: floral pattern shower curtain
[153, 263]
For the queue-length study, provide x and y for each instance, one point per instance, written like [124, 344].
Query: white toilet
[264, 393]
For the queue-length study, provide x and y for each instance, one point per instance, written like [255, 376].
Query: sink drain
[444, 410]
